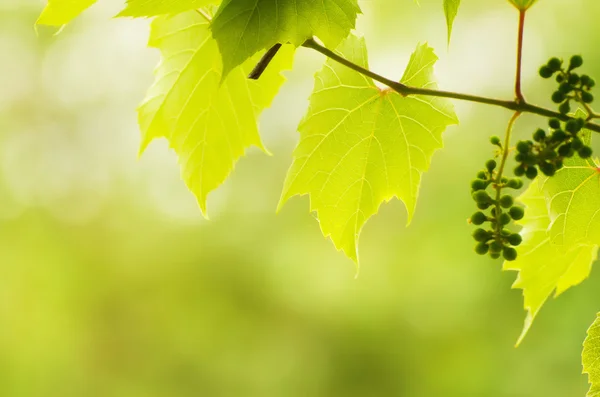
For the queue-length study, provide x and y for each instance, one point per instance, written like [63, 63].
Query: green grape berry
[573, 126]
[539, 135]
[585, 79]
[587, 97]
[547, 169]
[517, 213]
[490, 165]
[495, 140]
[573, 79]
[481, 197]
[519, 170]
[564, 150]
[478, 184]
[559, 136]
[481, 235]
[482, 248]
[509, 253]
[560, 78]
[565, 87]
[531, 172]
[504, 219]
[494, 255]
[482, 175]
[496, 247]
[515, 239]
[554, 123]
[576, 143]
[554, 64]
[523, 147]
[565, 108]
[546, 72]
[515, 183]
[478, 218]
[591, 84]
[576, 61]
[585, 152]
[506, 201]
[558, 97]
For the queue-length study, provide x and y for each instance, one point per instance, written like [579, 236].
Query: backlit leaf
[61, 12]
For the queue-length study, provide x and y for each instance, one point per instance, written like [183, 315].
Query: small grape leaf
[544, 267]
[523, 4]
[244, 27]
[361, 145]
[208, 124]
[573, 195]
[450, 10]
[591, 357]
[61, 12]
[150, 8]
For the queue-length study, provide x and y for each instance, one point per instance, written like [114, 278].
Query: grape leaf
[591, 357]
[361, 145]
[149, 8]
[208, 124]
[450, 10]
[573, 195]
[244, 27]
[61, 12]
[544, 267]
[523, 4]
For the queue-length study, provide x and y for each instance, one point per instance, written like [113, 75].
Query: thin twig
[264, 62]
[518, 93]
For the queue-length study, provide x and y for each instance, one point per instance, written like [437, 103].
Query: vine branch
[518, 93]
[405, 90]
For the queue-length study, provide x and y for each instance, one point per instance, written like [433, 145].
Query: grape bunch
[547, 151]
[572, 86]
[495, 239]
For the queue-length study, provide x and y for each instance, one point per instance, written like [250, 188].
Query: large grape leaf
[574, 201]
[244, 27]
[450, 10]
[361, 145]
[149, 8]
[61, 12]
[544, 267]
[208, 124]
[591, 357]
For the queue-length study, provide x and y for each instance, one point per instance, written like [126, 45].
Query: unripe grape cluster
[496, 211]
[572, 86]
[546, 151]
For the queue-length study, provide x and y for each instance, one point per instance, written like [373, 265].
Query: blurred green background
[113, 285]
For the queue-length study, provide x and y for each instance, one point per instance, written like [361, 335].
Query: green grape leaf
[361, 145]
[573, 195]
[149, 8]
[523, 4]
[450, 10]
[244, 27]
[61, 12]
[591, 357]
[209, 125]
[544, 267]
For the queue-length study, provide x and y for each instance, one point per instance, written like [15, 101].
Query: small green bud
[554, 64]
[565, 87]
[482, 175]
[558, 97]
[576, 61]
[481, 235]
[585, 79]
[506, 201]
[495, 140]
[495, 247]
[523, 147]
[573, 126]
[576, 143]
[573, 79]
[490, 165]
[517, 213]
[509, 253]
[519, 170]
[482, 248]
[546, 72]
[481, 196]
[483, 206]
[564, 150]
[585, 152]
[515, 239]
[539, 135]
[559, 136]
[587, 97]
[504, 219]
[515, 183]
[565, 108]
[547, 169]
[531, 172]
[478, 184]
[494, 255]
[591, 83]
[478, 218]
[554, 123]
